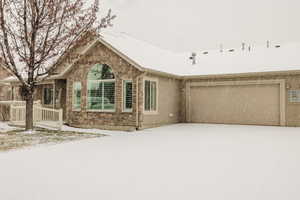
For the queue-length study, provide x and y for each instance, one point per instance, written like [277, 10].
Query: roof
[145, 56]
[259, 59]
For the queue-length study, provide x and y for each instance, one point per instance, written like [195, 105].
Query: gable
[82, 44]
[101, 54]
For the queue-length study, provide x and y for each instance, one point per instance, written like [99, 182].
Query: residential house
[121, 83]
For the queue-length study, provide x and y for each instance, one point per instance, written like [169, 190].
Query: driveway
[184, 161]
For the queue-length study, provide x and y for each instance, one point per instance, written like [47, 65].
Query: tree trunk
[29, 112]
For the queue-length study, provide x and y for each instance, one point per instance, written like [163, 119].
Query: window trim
[99, 81]
[73, 95]
[124, 81]
[151, 112]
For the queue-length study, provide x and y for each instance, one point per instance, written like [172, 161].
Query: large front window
[101, 88]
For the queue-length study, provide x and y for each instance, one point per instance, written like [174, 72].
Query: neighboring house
[122, 83]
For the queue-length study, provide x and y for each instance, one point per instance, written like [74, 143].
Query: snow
[4, 127]
[259, 59]
[184, 161]
[96, 131]
[146, 55]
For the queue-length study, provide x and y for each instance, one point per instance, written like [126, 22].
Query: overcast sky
[187, 25]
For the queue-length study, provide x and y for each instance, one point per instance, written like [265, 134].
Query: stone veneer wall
[106, 120]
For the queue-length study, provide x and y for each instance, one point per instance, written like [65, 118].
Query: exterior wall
[104, 120]
[169, 102]
[292, 82]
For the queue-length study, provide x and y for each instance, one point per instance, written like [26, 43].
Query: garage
[246, 103]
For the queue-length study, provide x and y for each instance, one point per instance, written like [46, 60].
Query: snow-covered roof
[144, 54]
[147, 56]
[259, 59]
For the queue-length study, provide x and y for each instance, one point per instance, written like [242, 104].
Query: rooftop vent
[221, 48]
[243, 46]
[193, 58]
[268, 44]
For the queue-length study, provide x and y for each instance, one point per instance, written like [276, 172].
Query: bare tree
[35, 34]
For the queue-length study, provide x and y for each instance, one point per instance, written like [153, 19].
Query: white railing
[48, 117]
[41, 116]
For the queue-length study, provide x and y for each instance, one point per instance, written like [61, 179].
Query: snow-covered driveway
[179, 162]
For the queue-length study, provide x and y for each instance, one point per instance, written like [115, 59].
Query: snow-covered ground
[4, 127]
[184, 161]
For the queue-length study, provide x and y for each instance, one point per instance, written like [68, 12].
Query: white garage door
[236, 104]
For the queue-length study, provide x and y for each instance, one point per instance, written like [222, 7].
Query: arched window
[101, 88]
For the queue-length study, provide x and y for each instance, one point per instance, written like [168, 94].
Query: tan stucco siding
[169, 107]
[240, 104]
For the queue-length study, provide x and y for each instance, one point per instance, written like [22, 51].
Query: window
[48, 96]
[294, 96]
[127, 96]
[101, 88]
[77, 96]
[150, 92]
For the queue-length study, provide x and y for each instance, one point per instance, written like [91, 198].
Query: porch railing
[41, 116]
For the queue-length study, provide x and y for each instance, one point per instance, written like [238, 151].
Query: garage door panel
[243, 104]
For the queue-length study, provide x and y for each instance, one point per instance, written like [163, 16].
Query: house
[121, 83]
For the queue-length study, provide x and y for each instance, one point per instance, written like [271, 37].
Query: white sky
[188, 25]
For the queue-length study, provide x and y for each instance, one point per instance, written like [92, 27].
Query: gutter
[242, 75]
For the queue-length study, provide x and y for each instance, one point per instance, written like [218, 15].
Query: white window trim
[124, 96]
[73, 95]
[152, 112]
[98, 81]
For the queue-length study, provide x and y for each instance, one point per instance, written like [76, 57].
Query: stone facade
[122, 71]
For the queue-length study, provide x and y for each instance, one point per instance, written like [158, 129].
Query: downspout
[137, 122]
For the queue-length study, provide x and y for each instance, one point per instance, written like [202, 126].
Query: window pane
[77, 96]
[95, 94]
[127, 95]
[109, 96]
[48, 96]
[147, 95]
[153, 95]
[100, 72]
